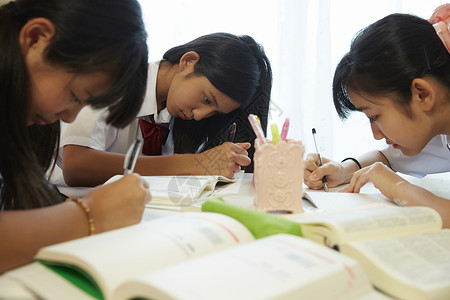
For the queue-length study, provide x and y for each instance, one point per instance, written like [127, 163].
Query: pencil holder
[278, 176]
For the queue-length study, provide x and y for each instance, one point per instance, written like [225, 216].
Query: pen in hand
[131, 157]
[324, 178]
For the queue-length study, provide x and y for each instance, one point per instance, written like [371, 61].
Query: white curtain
[304, 41]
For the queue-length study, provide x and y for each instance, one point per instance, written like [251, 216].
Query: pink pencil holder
[278, 176]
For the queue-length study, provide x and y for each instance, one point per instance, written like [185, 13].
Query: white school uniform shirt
[90, 130]
[434, 158]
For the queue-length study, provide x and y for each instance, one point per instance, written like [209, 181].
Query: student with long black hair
[58, 56]
[198, 89]
[397, 72]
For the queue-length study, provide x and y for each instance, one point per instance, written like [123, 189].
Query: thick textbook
[183, 192]
[404, 250]
[194, 255]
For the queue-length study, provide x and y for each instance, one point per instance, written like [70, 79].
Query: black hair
[239, 68]
[90, 36]
[385, 58]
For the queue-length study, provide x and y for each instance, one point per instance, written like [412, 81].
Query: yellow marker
[257, 120]
[275, 135]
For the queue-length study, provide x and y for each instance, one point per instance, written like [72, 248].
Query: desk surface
[240, 193]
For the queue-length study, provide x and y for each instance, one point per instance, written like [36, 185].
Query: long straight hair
[91, 35]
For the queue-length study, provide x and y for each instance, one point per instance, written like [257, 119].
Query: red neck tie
[154, 136]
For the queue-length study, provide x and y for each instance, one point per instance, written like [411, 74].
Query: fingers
[359, 179]
[146, 187]
[148, 197]
[143, 184]
[239, 148]
[238, 154]
[245, 146]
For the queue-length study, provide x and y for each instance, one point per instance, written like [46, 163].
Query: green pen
[275, 135]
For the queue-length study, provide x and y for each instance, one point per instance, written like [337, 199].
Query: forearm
[365, 160]
[24, 232]
[83, 166]
[372, 157]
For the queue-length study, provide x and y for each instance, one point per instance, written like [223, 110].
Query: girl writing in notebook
[58, 56]
[434, 157]
[398, 73]
[199, 89]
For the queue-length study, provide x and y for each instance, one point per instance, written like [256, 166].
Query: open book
[196, 256]
[180, 192]
[403, 249]
[334, 200]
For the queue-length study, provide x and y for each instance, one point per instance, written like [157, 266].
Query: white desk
[240, 193]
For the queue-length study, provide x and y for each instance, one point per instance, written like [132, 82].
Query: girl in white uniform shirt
[434, 157]
[397, 72]
[58, 56]
[197, 90]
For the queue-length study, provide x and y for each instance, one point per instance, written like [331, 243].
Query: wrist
[400, 192]
[350, 166]
[87, 212]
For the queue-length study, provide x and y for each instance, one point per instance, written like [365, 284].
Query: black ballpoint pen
[324, 178]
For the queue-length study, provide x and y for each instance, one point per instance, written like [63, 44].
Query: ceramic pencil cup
[278, 176]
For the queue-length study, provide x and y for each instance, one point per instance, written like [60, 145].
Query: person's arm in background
[83, 166]
[337, 172]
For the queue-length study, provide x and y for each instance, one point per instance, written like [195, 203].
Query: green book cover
[259, 223]
[77, 277]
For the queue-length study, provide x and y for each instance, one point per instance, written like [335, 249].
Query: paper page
[115, 256]
[335, 200]
[408, 267]
[277, 267]
[182, 190]
[368, 222]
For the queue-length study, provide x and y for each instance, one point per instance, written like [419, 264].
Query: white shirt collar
[149, 106]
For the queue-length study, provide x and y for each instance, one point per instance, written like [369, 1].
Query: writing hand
[118, 204]
[225, 159]
[335, 172]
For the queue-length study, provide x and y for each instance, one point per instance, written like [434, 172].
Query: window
[304, 41]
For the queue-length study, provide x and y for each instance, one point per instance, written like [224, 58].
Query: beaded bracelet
[87, 210]
[354, 159]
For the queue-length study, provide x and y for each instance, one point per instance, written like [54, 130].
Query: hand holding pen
[324, 178]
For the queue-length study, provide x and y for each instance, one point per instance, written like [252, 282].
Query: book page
[368, 222]
[409, 267]
[276, 267]
[115, 256]
[335, 200]
[180, 190]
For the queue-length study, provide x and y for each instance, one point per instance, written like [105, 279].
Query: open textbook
[180, 191]
[194, 256]
[334, 200]
[404, 250]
